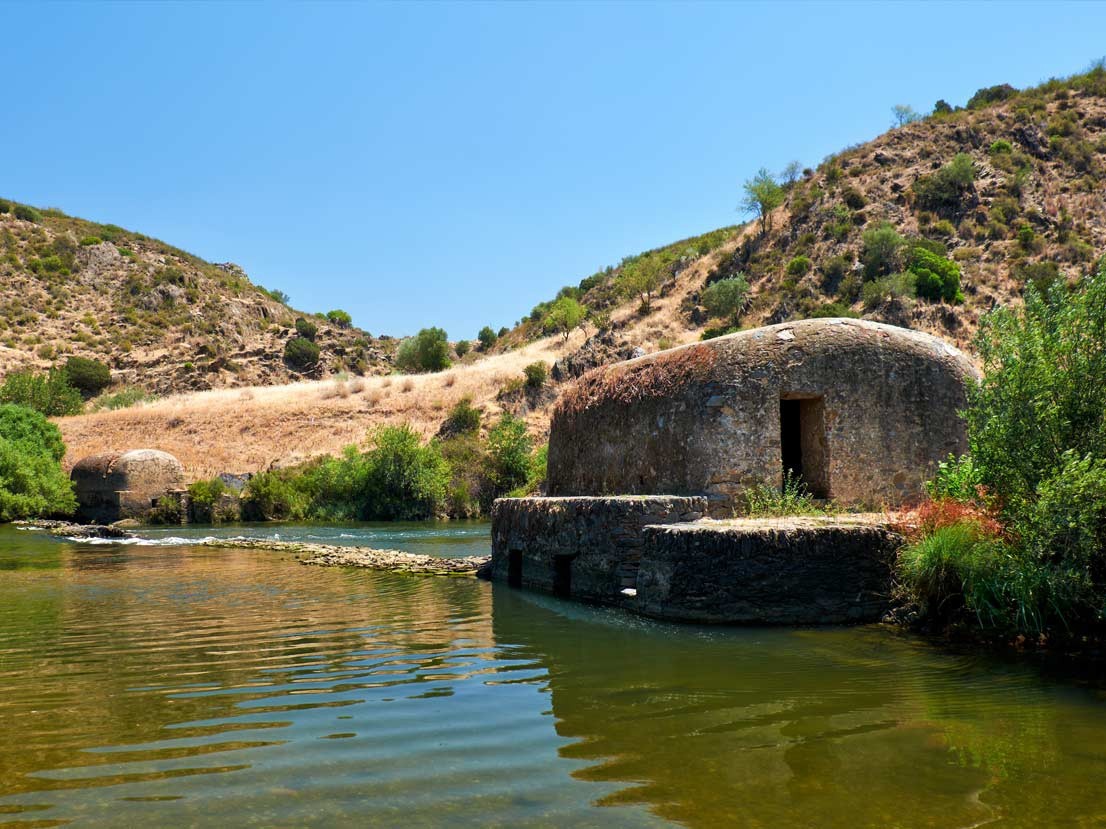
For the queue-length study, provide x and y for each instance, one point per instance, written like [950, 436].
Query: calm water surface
[167, 684]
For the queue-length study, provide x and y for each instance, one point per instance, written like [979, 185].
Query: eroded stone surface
[881, 407]
[119, 485]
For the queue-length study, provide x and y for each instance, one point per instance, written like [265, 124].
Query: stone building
[117, 485]
[860, 412]
[641, 452]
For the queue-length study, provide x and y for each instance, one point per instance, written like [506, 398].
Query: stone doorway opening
[803, 442]
[562, 576]
[514, 568]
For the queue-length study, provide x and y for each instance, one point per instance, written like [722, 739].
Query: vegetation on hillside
[32, 483]
[1014, 541]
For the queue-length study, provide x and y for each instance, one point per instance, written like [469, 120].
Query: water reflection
[196, 686]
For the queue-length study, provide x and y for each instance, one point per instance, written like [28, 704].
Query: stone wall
[588, 548]
[880, 408]
[768, 571]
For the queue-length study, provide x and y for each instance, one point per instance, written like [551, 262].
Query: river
[166, 684]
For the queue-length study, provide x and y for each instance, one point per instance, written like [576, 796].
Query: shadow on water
[185, 685]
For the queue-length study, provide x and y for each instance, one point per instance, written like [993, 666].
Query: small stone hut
[117, 485]
[858, 411]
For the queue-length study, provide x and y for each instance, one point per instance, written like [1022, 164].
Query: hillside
[1004, 192]
[162, 319]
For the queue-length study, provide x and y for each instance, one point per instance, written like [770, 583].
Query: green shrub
[426, 351]
[536, 374]
[1000, 147]
[833, 309]
[340, 318]
[563, 316]
[956, 479]
[32, 483]
[464, 418]
[5, 206]
[89, 241]
[799, 266]
[936, 278]
[124, 398]
[726, 298]
[404, 479]
[944, 191]
[509, 454]
[853, 198]
[990, 95]
[279, 495]
[87, 375]
[27, 214]
[882, 252]
[1042, 275]
[793, 498]
[888, 288]
[486, 337]
[462, 348]
[300, 353]
[50, 393]
[306, 329]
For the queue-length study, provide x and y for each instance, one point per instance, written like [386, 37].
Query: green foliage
[340, 318]
[32, 483]
[942, 107]
[536, 374]
[882, 252]
[888, 289]
[26, 213]
[487, 337]
[426, 351]
[991, 95]
[87, 375]
[274, 294]
[833, 309]
[89, 241]
[641, 276]
[799, 266]
[5, 206]
[956, 479]
[306, 329]
[763, 194]
[122, 399]
[564, 315]
[936, 278]
[50, 393]
[464, 418]
[1041, 275]
[726, 298]
[301, 353]
[944, 191]
[509, 454]
[793, 498]
[206, 493]
[462, 348]
[903, 115]
[1000, 147]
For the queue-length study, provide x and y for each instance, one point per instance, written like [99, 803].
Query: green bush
[936, 278]
[956, 479]
[486, 337]
[833, 309]
[426, 351]
[536, 374]
[509, 454]
[464, 418]
[32, 483]
[88, 376]
[50, 393]
[5, 206]
[944, 191]
[89, 241]
[990, 95]
[1000, 147]
[1042, 275]
[793, 498]
[564, 315]
[888, 288]
[279, 495]
[799, 266]
[340, 318]
[300, 353]
[123, 399]
[404, 479]
[882, 252]
[27, 214]
[306, 329]
[462, 348]
[726, 298]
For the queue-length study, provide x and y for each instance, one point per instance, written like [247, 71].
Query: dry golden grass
[245, 430]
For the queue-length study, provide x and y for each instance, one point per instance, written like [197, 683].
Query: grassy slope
[1058, 136]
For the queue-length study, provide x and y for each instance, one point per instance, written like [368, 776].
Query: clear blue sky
[454, 164]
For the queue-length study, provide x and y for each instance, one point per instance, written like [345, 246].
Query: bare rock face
[599, 350]
[860, 411]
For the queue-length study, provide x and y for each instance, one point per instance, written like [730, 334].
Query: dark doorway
[514, 568]
[562, 576]
[803, 443]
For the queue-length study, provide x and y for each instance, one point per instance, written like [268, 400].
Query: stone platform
[658, 556]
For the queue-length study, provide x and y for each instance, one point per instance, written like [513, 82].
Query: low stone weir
[782, 571]
[395, 561]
